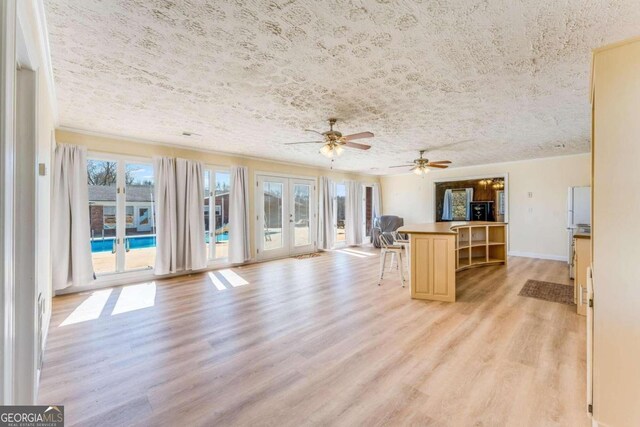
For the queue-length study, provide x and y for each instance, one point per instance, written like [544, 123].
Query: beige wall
[101, 144]
[537, 225]
[616, 233]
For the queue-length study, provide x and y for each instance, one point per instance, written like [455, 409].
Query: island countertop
[438, 250]
[442, 227]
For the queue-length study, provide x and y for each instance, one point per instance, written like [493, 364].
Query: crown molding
[204, 150]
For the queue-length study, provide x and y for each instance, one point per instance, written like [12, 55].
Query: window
[216, 213]
[459, 205]
[368, 210]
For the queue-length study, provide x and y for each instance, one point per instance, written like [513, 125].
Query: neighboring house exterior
[139, 213]
[139, 210]
[221, 212]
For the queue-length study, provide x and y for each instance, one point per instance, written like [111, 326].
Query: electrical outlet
[530, 210]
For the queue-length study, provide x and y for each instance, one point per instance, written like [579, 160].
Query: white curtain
[166, 220]
[325, 218]
[469, 192]
[447, 206]
[239, 249]
[353, 213]
[180, 242]
[70, 234]
[191, 245]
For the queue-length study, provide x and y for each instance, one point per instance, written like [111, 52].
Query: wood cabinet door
[433, 267]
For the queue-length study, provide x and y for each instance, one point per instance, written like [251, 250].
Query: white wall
[537, 225]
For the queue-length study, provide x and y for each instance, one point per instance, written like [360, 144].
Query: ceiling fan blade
[356, 145]
[413, 168]
[314, 131]
[442, 162]
[402, 166]
[305, 142]
[431, 165]
[360, 135]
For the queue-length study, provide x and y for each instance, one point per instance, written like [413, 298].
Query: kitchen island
[438, 250]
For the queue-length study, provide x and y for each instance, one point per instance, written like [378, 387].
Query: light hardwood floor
[317, 342]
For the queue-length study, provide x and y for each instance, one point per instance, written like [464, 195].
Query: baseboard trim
[539, 256]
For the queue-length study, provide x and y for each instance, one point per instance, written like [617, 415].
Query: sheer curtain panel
[447, 206]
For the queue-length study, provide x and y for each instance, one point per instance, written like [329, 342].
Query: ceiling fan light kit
[331, 149]
[420, 171]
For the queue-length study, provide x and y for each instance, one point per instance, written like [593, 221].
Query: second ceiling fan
[420, 165]
[334, 142]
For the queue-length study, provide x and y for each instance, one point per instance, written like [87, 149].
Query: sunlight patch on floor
[353, 251]
[233, 278]
[135, 297]
[216, 282]
[89, 309]
[346, 252]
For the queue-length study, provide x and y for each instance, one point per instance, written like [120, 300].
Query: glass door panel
[273, 215]
[286, 216]
[207, 214]
[102, 180]
[221, 208]
[301, 211]
[139, 218]
[341, 194]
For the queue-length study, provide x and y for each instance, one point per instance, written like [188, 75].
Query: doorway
[121, 212]
[286, 216]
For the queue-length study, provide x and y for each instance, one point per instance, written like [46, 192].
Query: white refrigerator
[578, 217]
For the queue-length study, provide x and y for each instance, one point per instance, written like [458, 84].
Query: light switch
[530, 194]
[42, 169]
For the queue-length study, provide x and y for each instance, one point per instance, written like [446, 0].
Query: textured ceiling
[511, 78]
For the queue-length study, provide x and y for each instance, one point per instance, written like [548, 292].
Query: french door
[286, 216]
[121, 213]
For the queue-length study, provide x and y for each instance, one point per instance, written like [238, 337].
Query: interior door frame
[261, 254]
